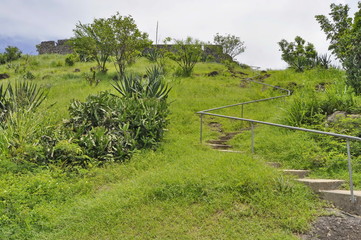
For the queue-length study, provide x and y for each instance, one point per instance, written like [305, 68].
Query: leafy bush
[70, 154]
[11, 54]
[231, 45]
[186, 54]
[29, 75]
[2, 58]
[110, 128]
[297, 54]
[310, 107]
[71, 59]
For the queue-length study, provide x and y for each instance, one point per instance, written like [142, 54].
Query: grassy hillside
[182, 190]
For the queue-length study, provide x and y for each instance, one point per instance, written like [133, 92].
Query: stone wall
[59, 47]
[211, 52]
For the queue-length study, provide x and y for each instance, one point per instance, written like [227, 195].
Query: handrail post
[252, 138]
[201, 128]
[242, 115]
[242, 111]
[350, 171]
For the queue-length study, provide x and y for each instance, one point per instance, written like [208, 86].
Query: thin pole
[201, 128]
[350, 171]
[156, 35]
[252, 138]
[242, 111]
[242, 115]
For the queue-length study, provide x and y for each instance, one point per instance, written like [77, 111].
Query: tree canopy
[298, 54]
[232, 45]
[117, 37]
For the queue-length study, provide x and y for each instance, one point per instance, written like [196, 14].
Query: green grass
[183, 190]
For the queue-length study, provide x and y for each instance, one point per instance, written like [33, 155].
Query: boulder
[336, 116]
[4, 76]
[212, 74]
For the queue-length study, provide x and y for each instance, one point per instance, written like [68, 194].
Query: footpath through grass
[184, 190]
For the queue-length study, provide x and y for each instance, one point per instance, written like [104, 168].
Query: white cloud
[260, 23]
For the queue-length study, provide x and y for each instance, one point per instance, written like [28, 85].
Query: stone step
[217, 141]
[229, 151]
[297, 173]
[274, 164]
[342, 200]
[220, 146]
[321, 184]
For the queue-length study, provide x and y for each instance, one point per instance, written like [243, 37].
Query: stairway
[327, 189]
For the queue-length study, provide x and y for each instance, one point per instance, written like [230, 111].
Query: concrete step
[342, 200]
[274, 164]
[220, 146]
[297, 173]
[321, 184]
[229, 151]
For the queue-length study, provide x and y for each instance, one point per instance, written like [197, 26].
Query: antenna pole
[156, 35]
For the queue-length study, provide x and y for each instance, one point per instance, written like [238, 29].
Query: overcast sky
[259, 23]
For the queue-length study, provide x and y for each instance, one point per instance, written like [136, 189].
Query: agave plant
[153, 86]
[153, 54]
[300, 64]
[324, 61]
[23, 96]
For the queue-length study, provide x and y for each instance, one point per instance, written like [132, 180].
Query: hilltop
[182, 189]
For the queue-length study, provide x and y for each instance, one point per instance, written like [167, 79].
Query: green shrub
[11, 54]
[297, 54]
[2, 58]
[29, 75]
[70, 154]
[310, 107]
[186, 54]
[109, 128]
[56, 64]
[71, 59]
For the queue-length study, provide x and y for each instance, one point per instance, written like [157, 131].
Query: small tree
[297, 54]
[337, 30]
[128, 41]
[345, 36]
[232, 45]
[11, 54]
[94, 41]
[186, 54]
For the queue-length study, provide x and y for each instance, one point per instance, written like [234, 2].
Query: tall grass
[183, 190]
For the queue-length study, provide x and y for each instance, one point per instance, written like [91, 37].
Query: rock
[212, 74]
[76, 70]
[321, 87]
[4, 75]
[242, 73]
[336, 116]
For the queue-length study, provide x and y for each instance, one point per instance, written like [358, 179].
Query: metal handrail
[252, 121]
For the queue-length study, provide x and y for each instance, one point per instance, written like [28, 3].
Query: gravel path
[336, 226]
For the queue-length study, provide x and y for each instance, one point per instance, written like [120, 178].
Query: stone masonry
[59, 47]
[210, 52]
